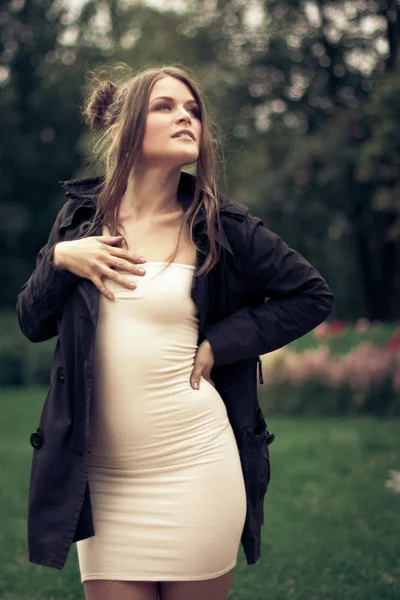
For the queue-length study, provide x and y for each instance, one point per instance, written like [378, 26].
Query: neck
[151, 193]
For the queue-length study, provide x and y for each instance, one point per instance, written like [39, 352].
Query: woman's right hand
[92, 257]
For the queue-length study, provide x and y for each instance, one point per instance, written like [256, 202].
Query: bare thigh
[212, 589]
[107, 589]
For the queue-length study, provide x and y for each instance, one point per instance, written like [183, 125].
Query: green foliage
[22, 362]
[314, 398]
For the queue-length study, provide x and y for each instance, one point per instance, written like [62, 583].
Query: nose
[185, 116]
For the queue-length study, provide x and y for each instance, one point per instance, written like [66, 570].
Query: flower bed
[320, 380]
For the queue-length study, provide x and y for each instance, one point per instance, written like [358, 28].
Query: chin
[178, 159]
[184, 158]
[190, 160]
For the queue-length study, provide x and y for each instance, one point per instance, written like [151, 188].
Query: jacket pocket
[265, 463]
[259, 472]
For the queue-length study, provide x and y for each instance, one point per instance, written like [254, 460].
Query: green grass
[332, 528]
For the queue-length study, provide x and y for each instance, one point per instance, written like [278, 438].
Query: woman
[173, 464]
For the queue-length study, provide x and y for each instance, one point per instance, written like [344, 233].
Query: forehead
[169, 86]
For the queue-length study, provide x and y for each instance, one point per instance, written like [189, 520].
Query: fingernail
[141, 258]
[196, 385]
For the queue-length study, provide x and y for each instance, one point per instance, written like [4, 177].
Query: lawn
[332, 512]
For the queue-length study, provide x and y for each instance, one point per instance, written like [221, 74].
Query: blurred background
[306, 97]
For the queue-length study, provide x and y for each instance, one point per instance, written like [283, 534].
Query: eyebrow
[169, 98]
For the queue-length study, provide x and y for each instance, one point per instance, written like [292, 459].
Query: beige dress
[166, 483]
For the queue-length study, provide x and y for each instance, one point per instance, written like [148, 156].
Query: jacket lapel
[84, 191]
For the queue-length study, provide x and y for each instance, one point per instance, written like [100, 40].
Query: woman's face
[165, 117]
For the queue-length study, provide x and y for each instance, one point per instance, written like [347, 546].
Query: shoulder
[239, 224]
[83, 188]
[238, 215]
[81, 193]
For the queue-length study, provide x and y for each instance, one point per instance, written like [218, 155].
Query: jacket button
[36, 438]
[270, 438]
[60, 373]
[84, 227]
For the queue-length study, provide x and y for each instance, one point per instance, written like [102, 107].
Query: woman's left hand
[203, 363]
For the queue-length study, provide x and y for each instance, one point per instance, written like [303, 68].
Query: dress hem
[130, 577]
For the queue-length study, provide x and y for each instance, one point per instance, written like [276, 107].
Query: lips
[183, 132]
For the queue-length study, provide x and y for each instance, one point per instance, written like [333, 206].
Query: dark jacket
[233, 315]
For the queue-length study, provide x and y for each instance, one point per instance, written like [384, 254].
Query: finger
[125, 265]
[122, 253]
[206, 373]
[111, 274]
[195, 377]
[98, 282]
[108, 270]
[109, 239]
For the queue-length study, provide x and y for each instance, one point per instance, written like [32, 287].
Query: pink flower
[337, 326]
[393, 343]
[362, 324]
[322, 330]
[335, 374]
[365, 366]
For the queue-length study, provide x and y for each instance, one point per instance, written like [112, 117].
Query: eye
[195, 111]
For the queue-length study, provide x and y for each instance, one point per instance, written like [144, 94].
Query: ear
[114, 130]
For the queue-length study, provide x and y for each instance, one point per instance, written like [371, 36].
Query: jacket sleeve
[41, 297]
[299, 300]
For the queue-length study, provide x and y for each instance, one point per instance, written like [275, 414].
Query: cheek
[198, 131]
[157, 126]
[151, 134]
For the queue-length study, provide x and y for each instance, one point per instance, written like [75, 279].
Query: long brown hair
[124, 100]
